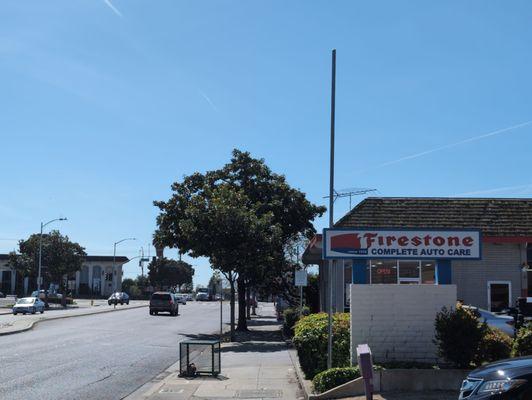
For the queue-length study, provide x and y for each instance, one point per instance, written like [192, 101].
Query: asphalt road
[105, 356]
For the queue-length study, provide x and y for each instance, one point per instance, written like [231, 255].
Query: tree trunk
[232, 283]
[253, 307]
[248, 303]
[242, 322]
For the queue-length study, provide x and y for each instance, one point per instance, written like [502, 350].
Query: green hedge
[310, 340]
[290, 317]
[458, 336]
[522, 345]
[334, 377]
[494, 345]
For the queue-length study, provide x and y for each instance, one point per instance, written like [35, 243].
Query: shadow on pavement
[256, 347]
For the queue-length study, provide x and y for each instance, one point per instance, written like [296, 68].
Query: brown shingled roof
[494, 217]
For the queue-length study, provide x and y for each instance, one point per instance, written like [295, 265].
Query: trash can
[199, 357]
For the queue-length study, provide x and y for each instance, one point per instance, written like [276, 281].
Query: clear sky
[103, 104]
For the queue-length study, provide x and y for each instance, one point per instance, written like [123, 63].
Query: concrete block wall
[397, 321]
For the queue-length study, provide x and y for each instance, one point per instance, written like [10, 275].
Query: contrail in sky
[115, 10]
[208, 100]
[451, 145]
[520, 189]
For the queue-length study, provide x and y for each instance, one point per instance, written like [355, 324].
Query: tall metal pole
[331, 212]
[39, 277]
[40, 261]
[114, 261]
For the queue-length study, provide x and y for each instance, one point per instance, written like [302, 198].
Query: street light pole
[331, 213]
[40, 250]
[114, 256]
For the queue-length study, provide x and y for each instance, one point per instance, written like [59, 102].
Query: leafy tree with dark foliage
[240, 217]
[170, 273]
[60, 257]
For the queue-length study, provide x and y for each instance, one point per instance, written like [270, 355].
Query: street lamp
[114, 254]
[39, 278]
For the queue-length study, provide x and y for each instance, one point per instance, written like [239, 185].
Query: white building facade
[97, 277]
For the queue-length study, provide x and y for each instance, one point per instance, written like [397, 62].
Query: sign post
[301, 280]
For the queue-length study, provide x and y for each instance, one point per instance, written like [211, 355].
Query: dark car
[118, 297]
[501, 380]
[164, 302]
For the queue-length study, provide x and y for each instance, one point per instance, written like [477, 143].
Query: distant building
[97, 277]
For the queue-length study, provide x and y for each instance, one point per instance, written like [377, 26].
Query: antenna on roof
[350, 192]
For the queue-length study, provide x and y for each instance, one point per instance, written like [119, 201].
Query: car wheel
[42, 311]
[14, 313]
[156, 312]
[33, 310]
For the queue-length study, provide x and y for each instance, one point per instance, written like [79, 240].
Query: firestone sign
[398, 243]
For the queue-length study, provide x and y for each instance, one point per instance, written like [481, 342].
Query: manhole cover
[259, 394]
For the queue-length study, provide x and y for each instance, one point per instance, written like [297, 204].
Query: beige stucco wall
[397, 321]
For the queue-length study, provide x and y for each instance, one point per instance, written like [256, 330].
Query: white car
[181, 298]
[28, 305]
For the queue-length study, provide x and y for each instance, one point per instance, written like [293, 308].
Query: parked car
[28, 305]
[118, 297]
[202, 296]
[189, 297]
[2, 295]
[504, 323]
[181, 298]
[501, 380]
[163, 302]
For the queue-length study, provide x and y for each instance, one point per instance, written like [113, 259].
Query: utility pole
[39, 277]
[331, 211]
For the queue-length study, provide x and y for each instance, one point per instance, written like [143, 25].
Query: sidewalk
[10, 324]
[258, 366]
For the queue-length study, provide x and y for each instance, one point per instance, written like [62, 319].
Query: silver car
[181, 298]
[28, 305]
[504, 323]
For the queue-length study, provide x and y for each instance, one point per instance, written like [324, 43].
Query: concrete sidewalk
[258, 366]
[10, 324]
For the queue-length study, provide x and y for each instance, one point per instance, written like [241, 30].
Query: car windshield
[25, 301]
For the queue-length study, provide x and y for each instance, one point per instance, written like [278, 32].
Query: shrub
[290, 317]
[458, 336]
[522, 345]
[310, 340]
[333, 377]
[56, 300]
[495, 345]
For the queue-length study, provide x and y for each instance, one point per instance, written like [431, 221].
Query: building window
[383, 271]
[403, 272]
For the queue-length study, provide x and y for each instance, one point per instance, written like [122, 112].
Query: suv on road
[164, 302]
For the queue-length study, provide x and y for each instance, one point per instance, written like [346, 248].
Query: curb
[305, 385]
[33, 323]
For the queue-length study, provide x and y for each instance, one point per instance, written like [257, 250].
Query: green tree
[240, 217]
[170, 273]
[60, 257]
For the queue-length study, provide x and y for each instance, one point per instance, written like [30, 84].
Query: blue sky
[104, 105]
